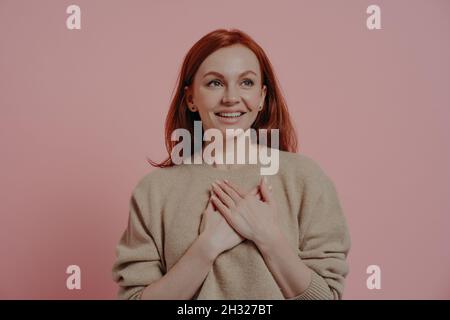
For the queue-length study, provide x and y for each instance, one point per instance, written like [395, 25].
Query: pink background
[82, 109]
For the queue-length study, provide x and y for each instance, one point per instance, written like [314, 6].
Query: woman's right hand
[215, 228]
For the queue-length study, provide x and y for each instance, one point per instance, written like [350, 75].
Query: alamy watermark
[238, 147]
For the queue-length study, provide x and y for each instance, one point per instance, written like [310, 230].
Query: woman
[221, 231]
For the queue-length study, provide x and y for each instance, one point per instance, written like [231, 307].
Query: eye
[215, 81]
[248, 82]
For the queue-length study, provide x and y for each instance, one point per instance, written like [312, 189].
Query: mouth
[229, 118]
[230, 115]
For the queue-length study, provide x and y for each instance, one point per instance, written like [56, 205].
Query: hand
[254, 218]
[221, 237]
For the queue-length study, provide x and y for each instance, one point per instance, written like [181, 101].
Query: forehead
[230, 61]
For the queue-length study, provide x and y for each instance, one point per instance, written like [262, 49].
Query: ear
[188, 97]
[263, 94]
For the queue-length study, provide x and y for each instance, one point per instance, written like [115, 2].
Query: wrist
[271, 242]
[207, 248]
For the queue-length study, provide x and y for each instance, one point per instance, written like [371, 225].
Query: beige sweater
[165, 214]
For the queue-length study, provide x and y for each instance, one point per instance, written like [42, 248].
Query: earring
[260, 108]
[193, 109]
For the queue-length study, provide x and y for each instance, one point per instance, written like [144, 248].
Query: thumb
[255, 192]
[204, 216]
[265, 192]
[210, 206]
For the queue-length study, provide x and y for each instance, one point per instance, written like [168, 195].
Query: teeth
[230, 114]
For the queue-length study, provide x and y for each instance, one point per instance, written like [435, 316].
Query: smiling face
[227, 89]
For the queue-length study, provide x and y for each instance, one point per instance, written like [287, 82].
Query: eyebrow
[221, 76]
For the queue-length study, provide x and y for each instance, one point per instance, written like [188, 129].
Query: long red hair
[274, 114]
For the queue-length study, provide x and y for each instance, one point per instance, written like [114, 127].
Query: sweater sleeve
[138, 261]
[324, 243]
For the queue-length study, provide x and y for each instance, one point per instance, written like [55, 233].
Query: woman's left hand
[254, 219]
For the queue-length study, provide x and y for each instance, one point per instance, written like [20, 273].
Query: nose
[231, 96]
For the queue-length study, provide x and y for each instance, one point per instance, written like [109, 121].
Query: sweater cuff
[318, 289]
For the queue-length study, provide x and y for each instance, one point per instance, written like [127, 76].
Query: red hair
[274, 114]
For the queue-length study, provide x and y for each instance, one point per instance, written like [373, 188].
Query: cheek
[208, 99]
[252, 99]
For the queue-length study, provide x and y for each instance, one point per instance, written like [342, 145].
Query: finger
[241, 192]
[204, 217]
[210, 207]
[222, 208]
[222, 195]
[236, 188]
[230, 191]
[265, 192]
[255, 192]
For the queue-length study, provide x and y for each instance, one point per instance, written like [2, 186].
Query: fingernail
[225, 180]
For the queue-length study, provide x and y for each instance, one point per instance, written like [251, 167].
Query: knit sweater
[165, 213]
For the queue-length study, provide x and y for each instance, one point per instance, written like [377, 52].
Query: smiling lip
[233, 117]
